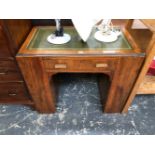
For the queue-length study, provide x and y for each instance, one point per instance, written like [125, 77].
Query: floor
[79, 112]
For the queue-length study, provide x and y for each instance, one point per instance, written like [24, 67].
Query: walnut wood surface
[12, 85]
[8, 76]
[150, 52]
[16, 31]
[4, 50]
[8, 64]
[38, 83]
[124, 78]
[13, 92]
[147, 86]
[142, 37]
[150, 23]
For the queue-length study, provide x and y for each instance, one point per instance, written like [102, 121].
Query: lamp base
[113, 36]
[58, 39]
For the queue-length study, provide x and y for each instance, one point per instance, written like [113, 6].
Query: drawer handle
[101, 65]
[57, 66]
[12, 94]
[2, 73]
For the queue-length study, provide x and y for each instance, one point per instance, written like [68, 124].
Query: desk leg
[122, 83]
[38, 83]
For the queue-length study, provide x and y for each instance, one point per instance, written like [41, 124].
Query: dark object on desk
[59, 33]
[59, 29]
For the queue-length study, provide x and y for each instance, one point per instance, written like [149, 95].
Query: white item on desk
[58, 39]
[83, 27]
[111, 37]
[106, 32]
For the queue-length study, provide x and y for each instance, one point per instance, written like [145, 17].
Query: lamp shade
[83, 27]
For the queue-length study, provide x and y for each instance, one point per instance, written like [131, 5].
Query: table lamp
[59, 37]
[106, 32]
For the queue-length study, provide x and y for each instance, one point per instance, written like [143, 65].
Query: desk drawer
[8, 65]
[104, 64]
[58, 64]
[96, 65]
[12, 92]
[8, 76]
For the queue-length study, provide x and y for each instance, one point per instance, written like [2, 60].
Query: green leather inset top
[39, 41]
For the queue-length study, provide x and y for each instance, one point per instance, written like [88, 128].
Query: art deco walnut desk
[39, 61]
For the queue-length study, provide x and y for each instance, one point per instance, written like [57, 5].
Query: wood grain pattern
[14, 92]
[150, 52]
[79, 65]
[12, 86]
[123, 76]
[8, 76]
[8, 64]
[147, 86]
[104, 83]
[122, 83]
[38, 84]
[17, 31]
[4, 50]
[149, 23]
[142, 37]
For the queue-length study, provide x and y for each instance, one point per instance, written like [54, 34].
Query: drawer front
[8, 76]
[8, 65]
[4, 49]
[91, 65]
[54, 65]
[96, 65]
[13, 92]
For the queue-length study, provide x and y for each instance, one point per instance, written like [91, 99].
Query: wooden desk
[40, 61]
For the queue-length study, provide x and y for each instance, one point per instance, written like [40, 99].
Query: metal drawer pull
[60, 66]
[100, 65]
[12, 94]
[2, 73]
